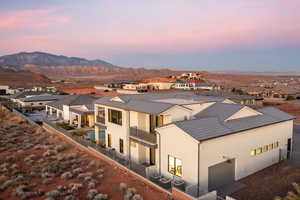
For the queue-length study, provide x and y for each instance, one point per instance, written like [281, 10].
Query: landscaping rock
[137, 197]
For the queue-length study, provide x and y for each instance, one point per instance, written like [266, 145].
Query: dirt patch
[34, 163]
[292, 107]
[271, 182]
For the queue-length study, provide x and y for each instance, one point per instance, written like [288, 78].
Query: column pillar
[97, 134]
[79, 121]
[71, 118]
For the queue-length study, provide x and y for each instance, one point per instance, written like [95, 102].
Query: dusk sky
[248, 35]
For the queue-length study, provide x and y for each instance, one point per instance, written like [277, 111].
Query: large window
[174, 166]
[121, 146]
[115, 116]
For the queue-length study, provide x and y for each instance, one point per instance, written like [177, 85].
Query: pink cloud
[30, 19]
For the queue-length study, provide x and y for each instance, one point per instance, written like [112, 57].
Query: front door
[152, 156]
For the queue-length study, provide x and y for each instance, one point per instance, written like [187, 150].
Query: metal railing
[100, 119]
[143, 136]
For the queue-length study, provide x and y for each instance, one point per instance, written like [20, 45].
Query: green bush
[64, 126]
[79, 133]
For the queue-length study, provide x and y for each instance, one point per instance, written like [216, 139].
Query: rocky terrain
[37, 165]
[21, 77]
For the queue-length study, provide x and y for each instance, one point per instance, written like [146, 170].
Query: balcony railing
[100, 119]
[142, 137]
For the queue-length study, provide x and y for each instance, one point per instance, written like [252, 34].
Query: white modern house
[194, 85]
[208, 142]
[33, 99]
[76, 109]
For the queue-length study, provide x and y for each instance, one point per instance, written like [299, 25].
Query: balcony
[142, 137]
[100, 121]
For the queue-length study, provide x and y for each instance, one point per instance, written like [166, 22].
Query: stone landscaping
[35, 164]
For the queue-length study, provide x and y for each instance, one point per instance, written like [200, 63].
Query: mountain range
[63, 67]
[46, 59]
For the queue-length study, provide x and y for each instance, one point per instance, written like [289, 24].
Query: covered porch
[81, 118]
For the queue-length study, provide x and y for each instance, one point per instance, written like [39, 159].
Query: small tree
[291, 195]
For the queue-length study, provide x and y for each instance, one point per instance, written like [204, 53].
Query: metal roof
[47, 97]
[155, 103]
[222, 111]
[205, 128]
[24, 94]
[72, 100]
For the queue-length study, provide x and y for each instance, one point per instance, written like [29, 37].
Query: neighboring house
[9, 90]
[195, 85]
[208, 142]
[75, 109]
[33, 99]
[241, 99]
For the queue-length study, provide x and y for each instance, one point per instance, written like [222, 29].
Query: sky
[213, 35]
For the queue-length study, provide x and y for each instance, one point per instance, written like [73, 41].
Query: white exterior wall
[196, 108]
[240, 145]
[117, 131]
[66, 112]
[236, 146]
[176, 113]
[244, 112]
[177, 143]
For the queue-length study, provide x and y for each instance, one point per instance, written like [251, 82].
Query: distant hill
[46, 59]
[62, 67]
[10, 76]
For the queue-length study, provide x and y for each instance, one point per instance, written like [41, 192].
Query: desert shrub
[291, 195]
[137, 197]
[94, 164]
[290, 98]
[123, 187]
[47, 181]
[67, 175]
[79, 133]
[101, 197]
[64, 126]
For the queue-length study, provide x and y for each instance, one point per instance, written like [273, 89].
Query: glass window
[270, 147]
[178, 165]
[174, 166]
[258, 150]
[115, 116]
[171, 165]
[121, 146]
[276, 144]
[253, 153]
[265, 148]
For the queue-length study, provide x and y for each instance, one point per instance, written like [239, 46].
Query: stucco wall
[118, 131]
[176, 143]
[239, 146]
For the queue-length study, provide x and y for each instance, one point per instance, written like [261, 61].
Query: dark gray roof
[43, 98]
[212, 127]
[20, 95]
[155, 103]
[72, 100]
[226, 95]
[222, 111]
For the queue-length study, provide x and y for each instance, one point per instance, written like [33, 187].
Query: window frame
[175, 172]
[111, 116]
[109, 140]
[121, 145]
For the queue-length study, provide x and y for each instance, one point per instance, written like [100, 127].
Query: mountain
[46, 59]
[62, 67]
[11, 76]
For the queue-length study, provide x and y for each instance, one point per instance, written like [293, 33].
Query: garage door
[221, 174]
